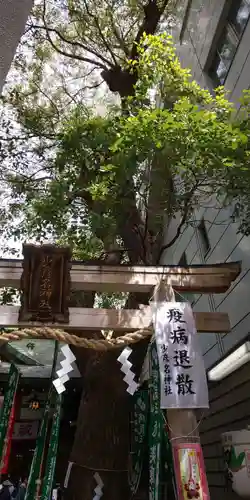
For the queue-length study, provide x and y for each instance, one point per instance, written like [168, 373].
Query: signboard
[45, 284]
[182, 371]
[52, 453]
[190, 472]
[139, 435]
[9, 437]
[25, 430]
[33, 486]
[6, 410]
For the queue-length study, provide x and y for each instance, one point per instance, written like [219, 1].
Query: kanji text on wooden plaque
[45, 284]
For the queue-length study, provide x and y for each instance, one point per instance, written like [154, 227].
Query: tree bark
[102, 434]
[101, 440]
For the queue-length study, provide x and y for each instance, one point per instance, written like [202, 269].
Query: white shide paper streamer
[67, 476]
[98, 490]
[66, 368]
[126, 368]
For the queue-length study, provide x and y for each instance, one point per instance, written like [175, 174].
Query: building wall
[226, 244]
[13, 17]
[229, 410]
[229, 399]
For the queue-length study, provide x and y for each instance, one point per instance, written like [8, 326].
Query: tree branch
[75, 56]
[67, 54]
[175, 238]
[119, 37]
[186, 210]
[152, 17]
[86, 87]
[72, 42]
[100, 33]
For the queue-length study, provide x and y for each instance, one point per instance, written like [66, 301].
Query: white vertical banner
[182, 370]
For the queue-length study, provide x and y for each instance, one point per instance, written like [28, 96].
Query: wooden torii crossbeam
[121, 320]
[196, 279]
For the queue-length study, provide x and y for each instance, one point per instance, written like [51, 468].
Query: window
[203, 236]
[236, 22]
[239, 15]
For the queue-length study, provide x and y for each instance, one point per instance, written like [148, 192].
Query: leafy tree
[85, 43]
[109, 181]
[106, 184]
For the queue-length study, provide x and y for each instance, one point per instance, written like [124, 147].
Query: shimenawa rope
[68, 338]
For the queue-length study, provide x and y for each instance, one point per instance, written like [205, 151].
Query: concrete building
[216, 46]
[13, 17]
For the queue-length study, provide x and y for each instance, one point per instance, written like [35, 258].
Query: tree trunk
[102, 434]
[101, 440]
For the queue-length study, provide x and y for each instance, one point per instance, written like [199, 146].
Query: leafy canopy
[98, 180]
[76, 49]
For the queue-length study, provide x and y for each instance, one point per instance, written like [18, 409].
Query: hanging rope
[61, 336]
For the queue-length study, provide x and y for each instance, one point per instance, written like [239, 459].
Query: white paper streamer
[126, 368]
[66, 368]
[98, 490]
[67, 476]
[59, 386]
[68, 353]
[54, 494]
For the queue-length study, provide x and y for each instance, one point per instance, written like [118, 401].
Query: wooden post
[182, 424]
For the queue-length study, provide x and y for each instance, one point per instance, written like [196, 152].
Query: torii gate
[46, 275]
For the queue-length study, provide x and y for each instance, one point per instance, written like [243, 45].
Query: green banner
[139, 434]
[33, 486]
[53, 445]
[7, 405]
[155, 425]
[168, 466]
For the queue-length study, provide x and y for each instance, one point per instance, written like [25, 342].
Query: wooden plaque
[45, 284]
